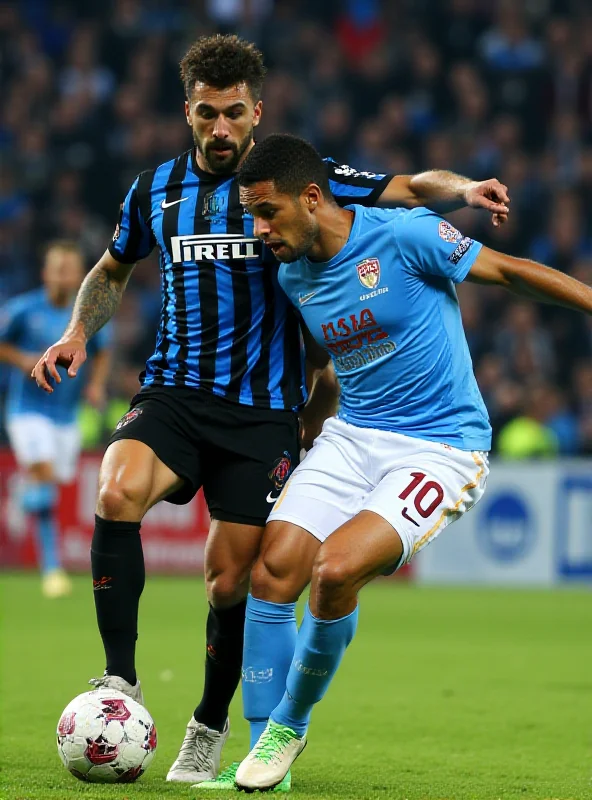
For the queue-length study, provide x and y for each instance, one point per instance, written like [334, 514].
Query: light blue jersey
[32, 324]
[386, 310]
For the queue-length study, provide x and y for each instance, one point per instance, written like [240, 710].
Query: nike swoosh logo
[270, 498]
[304, 298]
[164, 203]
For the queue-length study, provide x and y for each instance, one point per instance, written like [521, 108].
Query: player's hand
[96, 395]
[492, 196]
[70, 354]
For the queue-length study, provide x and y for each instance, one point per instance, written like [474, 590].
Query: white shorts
[419, 487]
[35, 438]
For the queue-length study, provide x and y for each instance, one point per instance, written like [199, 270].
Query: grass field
[445, 693]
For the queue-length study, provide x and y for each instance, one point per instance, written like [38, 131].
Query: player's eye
[235, 114]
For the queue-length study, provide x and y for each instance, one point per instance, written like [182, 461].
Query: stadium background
[91, 96]
[446, 692]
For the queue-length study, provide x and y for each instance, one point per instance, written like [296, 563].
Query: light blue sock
[270, 637]
[39, 499]
[319, 649]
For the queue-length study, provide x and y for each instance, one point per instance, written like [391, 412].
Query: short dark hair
[290, 162]
[223, 61]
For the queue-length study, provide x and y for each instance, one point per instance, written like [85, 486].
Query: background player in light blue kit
[407, 452]
[42, 430]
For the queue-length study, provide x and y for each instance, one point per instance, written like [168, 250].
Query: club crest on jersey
[280, 471]
[448, 232]
[129, 417]
[369, 272]
[214, 205]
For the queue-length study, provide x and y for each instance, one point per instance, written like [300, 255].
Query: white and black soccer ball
[106, 737]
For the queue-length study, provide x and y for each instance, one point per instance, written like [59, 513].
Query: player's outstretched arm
[444, 191]
[97, 300]
[530, 279]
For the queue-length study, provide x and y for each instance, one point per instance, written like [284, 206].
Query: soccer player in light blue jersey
[42, 430]
[406, 453]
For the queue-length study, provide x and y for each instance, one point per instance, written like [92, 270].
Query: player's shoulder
[344, 171]
[146, 178]
[373, 217]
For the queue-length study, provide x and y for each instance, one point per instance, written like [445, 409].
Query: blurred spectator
[91, 97]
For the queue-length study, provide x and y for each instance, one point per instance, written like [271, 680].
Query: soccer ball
[106, 737]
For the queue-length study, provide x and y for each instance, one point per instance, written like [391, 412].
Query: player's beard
[290, 253]
[223, 165]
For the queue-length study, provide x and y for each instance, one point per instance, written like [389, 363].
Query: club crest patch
[278, 475]
[448, 232]
[129, 417]
[369, 272]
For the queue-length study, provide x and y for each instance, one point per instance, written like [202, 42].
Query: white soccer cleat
[121, 685]
[56, 583]
[199, 756]
[269, 761]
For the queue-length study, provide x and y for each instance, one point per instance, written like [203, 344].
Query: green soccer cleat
[226, 781]
[269, 762]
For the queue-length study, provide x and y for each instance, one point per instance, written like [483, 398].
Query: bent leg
[279, 576]
[230, 551]
[351, 557]
[132, 480]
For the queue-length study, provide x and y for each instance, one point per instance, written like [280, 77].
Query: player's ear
[312, 195]
[257, 111]
[187, 112]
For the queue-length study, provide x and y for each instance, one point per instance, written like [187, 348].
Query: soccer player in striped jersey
[220, 396]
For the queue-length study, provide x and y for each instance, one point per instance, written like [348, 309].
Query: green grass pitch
[445, 693]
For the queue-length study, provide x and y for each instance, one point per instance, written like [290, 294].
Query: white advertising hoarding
[533, 526]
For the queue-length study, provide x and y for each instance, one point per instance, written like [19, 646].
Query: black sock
[224, 655]
[118, 580]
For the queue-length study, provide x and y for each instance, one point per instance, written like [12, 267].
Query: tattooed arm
[98, 299]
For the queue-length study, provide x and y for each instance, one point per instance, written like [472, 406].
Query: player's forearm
[440, 190]
[533, 280]
[9, 354]
[98, 299]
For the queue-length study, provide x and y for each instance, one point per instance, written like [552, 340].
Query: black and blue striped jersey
[226, 326]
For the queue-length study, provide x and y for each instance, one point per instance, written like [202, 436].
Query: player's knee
[273, 581]
[226, 588]
[118, 500]
[330, 575]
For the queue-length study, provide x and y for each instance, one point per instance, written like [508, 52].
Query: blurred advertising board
[532, 527]
[173, 536]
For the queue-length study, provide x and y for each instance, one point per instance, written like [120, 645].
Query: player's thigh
[151, 456]
[68, 443]
[351, 557]
[132, 479]
[284, 564]
[250, 454]
[426, 490]
[32, 439]
[329, 487]
[231, 549]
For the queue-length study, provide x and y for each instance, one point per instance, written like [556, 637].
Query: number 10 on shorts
[426, 499]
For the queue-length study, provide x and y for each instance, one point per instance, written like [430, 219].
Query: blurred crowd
[91, 96]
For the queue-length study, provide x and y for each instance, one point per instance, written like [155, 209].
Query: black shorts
[242, 456]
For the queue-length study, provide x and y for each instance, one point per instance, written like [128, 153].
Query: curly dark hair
[289, 161]
[223, 61]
